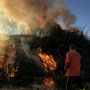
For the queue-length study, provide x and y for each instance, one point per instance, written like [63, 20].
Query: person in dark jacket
[72, 66]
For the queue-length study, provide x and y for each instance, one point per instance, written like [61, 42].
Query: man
[72, 66]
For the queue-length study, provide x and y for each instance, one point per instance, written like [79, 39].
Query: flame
[1, 61]
[48, 61]
[48, 81]
[49, 65]
[4, 64]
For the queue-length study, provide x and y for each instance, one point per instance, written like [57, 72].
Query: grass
[34, 87]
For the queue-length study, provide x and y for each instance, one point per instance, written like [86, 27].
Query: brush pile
[55, 44]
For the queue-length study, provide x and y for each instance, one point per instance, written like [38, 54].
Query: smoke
[67, 16]
[4, 38]
[9, 26]
[25, 12]
[35, 14]
[13, 53]
[31, 56]
[6, 46]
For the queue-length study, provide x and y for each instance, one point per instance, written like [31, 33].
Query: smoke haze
[4, 38]
[30, 55]
[35, 14]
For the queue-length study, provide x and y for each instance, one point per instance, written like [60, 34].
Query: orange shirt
[73, 59]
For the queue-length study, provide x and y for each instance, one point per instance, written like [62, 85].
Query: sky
[81, 8]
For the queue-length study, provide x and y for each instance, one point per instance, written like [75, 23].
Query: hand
[66, 67]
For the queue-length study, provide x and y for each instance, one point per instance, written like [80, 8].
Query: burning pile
[7, 56]
[49, 65]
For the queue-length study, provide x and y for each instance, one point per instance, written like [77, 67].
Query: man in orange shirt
[72, 64]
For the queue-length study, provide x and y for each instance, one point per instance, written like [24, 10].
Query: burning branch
[50, 65]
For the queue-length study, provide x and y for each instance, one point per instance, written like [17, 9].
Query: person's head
[72, 46]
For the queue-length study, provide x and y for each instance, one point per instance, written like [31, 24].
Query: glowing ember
[50, 65]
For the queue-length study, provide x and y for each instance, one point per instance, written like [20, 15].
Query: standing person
[72, 66]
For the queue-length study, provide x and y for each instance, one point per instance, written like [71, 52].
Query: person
[72, 66]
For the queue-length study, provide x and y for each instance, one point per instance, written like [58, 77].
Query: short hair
[72, 46]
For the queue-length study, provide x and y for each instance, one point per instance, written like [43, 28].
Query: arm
[67, 60]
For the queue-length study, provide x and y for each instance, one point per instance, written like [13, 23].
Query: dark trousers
[74, 79]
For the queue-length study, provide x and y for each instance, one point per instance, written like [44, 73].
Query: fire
[48, 61]
[48, 81]
[49, 65]
[5, 65]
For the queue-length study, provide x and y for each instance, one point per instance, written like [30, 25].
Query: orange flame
[48, 61]
[48, 81]
[49, 65]
[4, 64]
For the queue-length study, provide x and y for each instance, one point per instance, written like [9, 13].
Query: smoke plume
[35, 14]
[6, 46]
[4, 38]
[30, 55]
